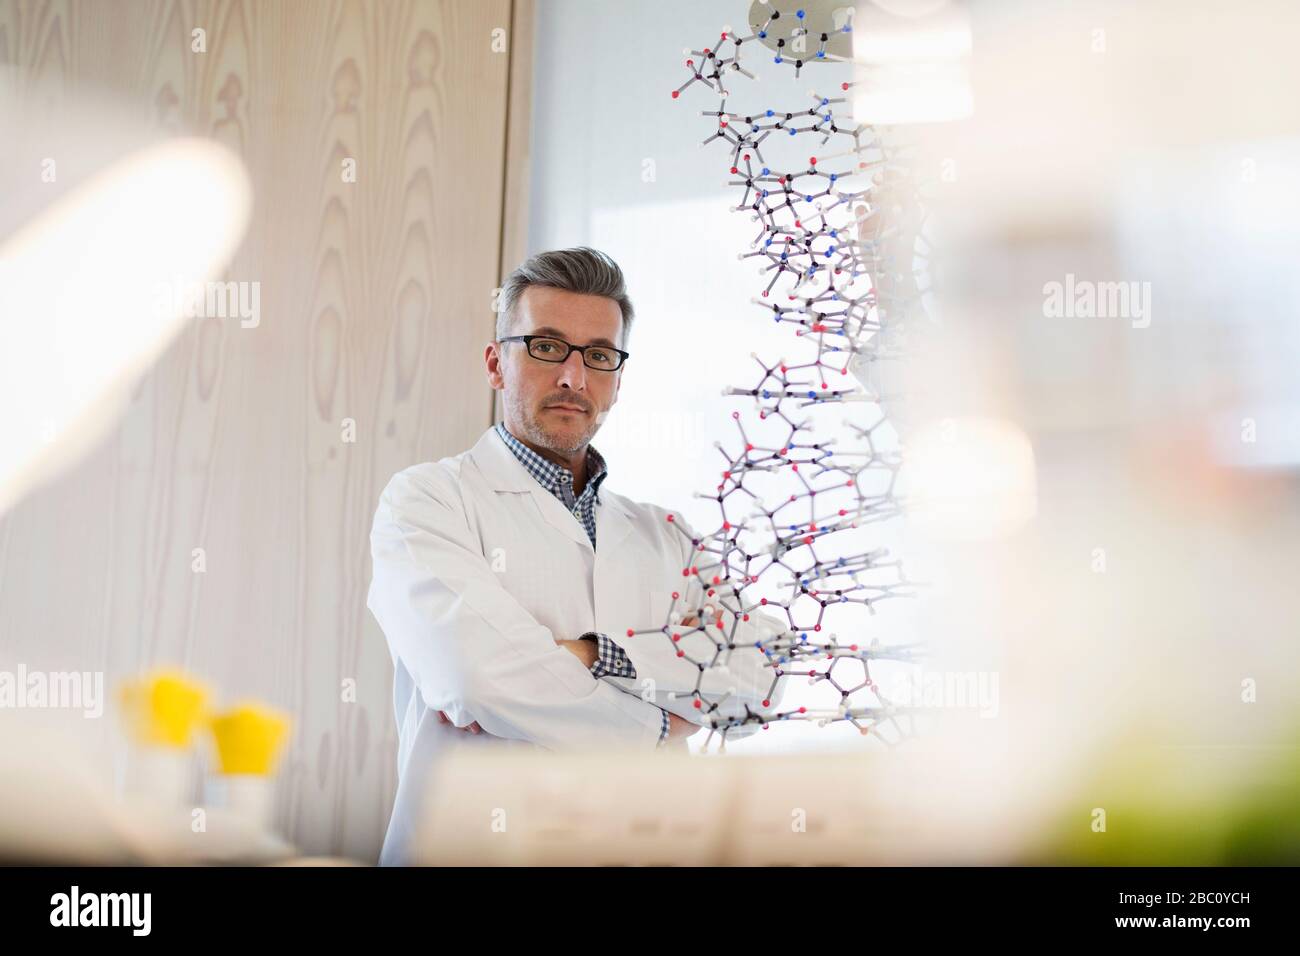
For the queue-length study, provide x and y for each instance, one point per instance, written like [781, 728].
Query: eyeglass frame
[528, 341]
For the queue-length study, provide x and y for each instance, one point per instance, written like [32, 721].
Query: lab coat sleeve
[471, 648]
[746, 677]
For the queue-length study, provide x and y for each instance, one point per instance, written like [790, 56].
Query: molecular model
[838, 235]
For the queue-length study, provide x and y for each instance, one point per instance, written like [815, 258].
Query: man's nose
[573, 372]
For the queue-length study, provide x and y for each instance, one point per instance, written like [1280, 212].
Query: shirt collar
[548, 473]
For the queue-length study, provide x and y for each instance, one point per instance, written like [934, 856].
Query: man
[507, 577]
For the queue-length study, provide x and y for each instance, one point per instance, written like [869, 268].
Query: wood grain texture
[375, 306]
[519, 114]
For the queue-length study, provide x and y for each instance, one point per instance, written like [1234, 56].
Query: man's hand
[678, 728]
[585, 651]
[473, 728]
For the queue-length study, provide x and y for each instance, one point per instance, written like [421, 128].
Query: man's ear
[492, 358]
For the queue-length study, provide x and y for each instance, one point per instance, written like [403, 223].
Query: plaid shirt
[558, 480]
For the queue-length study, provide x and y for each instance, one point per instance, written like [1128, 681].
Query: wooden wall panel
[376, 303]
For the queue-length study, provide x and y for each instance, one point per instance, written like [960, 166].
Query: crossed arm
[475, 653]
[484, 663]
[587, 651]
[743, 679]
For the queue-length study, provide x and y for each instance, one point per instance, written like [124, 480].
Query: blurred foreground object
[249, 739]
[160, 713]
[1116, 226]
[163, 710]
[905, 807]
[81, 318]
[912, 61]
[627, 809]
[970, 479]
[58, 804]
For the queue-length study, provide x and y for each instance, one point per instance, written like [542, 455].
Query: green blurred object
[1170, 806]
[1266, 829]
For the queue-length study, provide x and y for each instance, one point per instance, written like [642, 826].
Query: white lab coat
[479, 570]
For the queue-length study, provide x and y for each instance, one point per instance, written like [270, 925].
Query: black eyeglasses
[548, 348]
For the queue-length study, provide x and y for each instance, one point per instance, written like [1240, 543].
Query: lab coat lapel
[620, 571]
[612, 525]
[560, 517]
[505, 472]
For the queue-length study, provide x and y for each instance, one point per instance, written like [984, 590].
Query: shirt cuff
[611, 661]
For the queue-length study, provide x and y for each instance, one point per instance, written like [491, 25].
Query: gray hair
[581, 269]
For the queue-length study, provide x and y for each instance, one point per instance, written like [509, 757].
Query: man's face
[533, 388]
